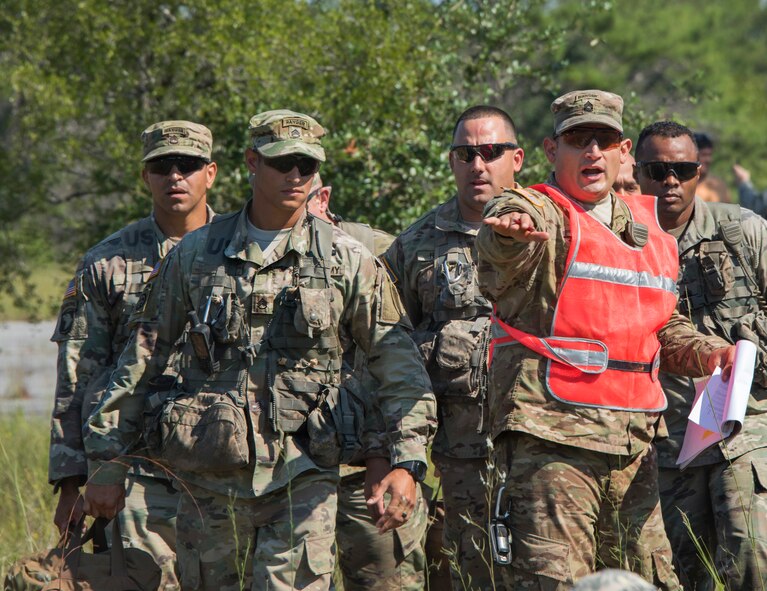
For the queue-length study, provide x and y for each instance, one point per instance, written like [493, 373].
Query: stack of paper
[720, 407]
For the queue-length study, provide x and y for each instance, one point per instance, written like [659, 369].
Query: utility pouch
[500, 533]
[202, 432]
[459, 358]
[716, 269]
[335, 427]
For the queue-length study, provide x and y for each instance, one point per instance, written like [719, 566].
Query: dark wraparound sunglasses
[488, 152]
[658, 171]
[581, 137]
[184, 164]
[285, 164]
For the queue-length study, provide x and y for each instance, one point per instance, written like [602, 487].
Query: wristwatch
[417, 469]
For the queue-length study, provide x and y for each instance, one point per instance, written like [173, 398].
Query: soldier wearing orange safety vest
[583, 287]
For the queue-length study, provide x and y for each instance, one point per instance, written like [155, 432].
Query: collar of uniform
[240, 248]
[702, 224]
[164, 244]
[448, 218]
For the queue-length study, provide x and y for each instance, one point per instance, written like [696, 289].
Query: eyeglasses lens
[184, 164]
[284, 164]
[658, 171]
[580, 138]
[488, 152]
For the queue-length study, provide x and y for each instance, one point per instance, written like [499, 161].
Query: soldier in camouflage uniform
[92, 330]
[722, 282]
[369, 561]
[583, 281]
[260, 305]
[433, 264]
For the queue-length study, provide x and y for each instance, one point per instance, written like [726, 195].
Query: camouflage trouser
[280, 541]
[148, 522]
[369, 561]
[575, 510]
[465, 491]
[726, 504]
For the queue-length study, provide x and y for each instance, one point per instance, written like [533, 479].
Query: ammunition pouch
[201, 432]
[460, 356]
[335, 427]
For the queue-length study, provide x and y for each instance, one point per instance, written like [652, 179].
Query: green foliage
[81, 79]
[26, 502]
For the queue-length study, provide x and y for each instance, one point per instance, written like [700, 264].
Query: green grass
[49, 283]
[26, 499]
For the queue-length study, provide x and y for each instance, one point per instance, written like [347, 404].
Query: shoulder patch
[526, 194]
[71, 290]
[392, 276]
[155, 270]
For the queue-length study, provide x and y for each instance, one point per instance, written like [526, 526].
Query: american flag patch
[71, 289]
[155, 271]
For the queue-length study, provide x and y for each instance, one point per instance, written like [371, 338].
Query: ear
[625, 149]
[451, 160]
[212, 170]
[519, 158]
[251, 158]
[145, 176]
[323, 199]
[550, 149]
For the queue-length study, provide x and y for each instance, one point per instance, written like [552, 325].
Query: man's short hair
[703, 140]
[484, 111]
[662, 129]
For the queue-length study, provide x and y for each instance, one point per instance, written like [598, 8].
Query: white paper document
[719, 408]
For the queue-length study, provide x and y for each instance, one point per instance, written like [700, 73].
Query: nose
[593, 150]
[671, 179]
[175, 173]
[477, 164]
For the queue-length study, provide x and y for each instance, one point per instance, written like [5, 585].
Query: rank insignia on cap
[71, 290]
[295, 132]
[588, 107]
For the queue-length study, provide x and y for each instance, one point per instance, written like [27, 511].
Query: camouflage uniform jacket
[721, 301]
[433, 263]
[92, 330]
[522, 279]
[282, 324]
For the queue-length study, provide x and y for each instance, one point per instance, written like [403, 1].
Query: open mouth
[592, 172]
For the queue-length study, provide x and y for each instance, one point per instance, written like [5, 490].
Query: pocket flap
[321, 554]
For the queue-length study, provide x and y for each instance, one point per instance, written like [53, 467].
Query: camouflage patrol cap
[582, 107]
[177, 138]
[613, 580]
[283, 132]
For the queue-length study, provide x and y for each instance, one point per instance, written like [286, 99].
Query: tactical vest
[717, 287]
[454, 335]
[603, 350]
[301, 341]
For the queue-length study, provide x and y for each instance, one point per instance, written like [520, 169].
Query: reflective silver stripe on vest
[622, 276]
[582, 358]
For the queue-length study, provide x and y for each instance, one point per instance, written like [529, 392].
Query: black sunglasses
[284, 164]
[581, 137]
[184, 164]
[658, 171]
[488, 152]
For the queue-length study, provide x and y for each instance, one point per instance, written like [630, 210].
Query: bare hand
[742, 175]
[518, 226]
[402, 488]
[104, 500]
[69, 510]
[722, 357]
[376, 470]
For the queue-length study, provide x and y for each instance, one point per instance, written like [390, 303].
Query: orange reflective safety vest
[603, 349]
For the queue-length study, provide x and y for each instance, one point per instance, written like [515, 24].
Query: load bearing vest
[602, 349]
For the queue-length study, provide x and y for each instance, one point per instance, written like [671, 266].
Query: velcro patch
[155, 270]
[295, 122]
